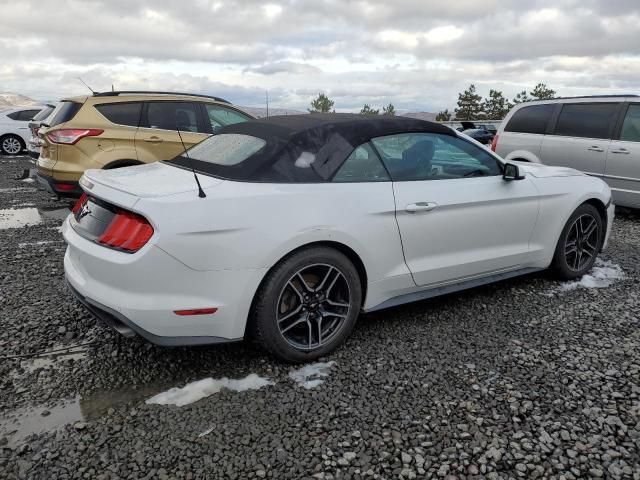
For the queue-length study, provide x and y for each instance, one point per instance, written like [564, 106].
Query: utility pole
[266, 93]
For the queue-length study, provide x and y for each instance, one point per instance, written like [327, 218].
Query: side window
[221, 117]
[631, 127]
[172, 116]
[531, 119]
[587, 120]
[27, 115]
[432, 156]
[127, 113]
[363, 165]
[14, 115]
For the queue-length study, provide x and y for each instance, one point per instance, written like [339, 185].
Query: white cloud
[413, 53]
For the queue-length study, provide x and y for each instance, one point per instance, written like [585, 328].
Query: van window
[127, 113]
[631, 127]
[531, 119]
[587, 120]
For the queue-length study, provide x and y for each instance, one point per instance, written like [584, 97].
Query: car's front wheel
[307, 305]
[579, 243]
[11, 145]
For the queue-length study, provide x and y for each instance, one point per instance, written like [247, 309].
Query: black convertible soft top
[330, 137]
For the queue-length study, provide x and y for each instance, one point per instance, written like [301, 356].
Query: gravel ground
[514, 380]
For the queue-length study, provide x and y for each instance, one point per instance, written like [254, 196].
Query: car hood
[151, 180]
[543, 171]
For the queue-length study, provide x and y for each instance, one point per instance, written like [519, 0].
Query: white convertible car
[285, 229]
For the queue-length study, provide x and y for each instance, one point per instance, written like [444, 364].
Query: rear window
[123, 113]
[531, 119]
[226, 149]
[44, 113]
[588, 120]
[66, 111]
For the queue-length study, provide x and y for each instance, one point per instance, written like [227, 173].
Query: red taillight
[79, 203]
[127, 231]
[196, 311]
[69, 136]
[63, 187]
[494, 143]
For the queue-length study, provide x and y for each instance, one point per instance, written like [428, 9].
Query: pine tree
[389, 110]
[521, 97]
[322, 104]
[542, 92]
[469, 104]
[443, 116]
[496, 106]
[367, 110]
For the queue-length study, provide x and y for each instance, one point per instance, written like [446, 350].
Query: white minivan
[599, 135]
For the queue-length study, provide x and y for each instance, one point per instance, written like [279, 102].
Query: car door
[458, 218]
[581, 137]
[157, 137]
[622, 171]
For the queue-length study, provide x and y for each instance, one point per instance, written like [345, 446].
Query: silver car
[598, 135]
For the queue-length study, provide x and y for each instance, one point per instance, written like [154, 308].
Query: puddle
[19, 217]
[22, 422]
[18, 424]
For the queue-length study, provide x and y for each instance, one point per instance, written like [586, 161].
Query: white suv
[14, 129]
[599, 135]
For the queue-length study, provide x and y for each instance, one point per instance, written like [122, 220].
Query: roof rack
[596, 96]
[151, 92]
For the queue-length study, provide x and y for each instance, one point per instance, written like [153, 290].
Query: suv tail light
[494, 143]
[69, 136]
[127, 231]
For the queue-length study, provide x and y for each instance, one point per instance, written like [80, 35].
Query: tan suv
[118, 129]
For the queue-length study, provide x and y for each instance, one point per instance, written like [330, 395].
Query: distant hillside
[262, 112]
[8, 99]
[431, 117]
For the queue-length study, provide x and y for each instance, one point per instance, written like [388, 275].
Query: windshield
[226, 148]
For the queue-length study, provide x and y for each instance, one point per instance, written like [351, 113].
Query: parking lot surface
[528, 378]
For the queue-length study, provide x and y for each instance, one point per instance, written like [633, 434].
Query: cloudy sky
[417, 54]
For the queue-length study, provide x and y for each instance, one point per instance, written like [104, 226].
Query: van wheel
[11, 145]
[579, 243]
[307, 305]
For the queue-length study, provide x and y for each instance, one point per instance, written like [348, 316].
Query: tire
[11, 145]
[298, 329]
[577, 249]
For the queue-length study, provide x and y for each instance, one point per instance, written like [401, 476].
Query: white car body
[215, 251]
[44, 117]
[10, 127]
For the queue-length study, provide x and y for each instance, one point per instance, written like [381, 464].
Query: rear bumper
[62, 189]
[121, 324]
[138, 294]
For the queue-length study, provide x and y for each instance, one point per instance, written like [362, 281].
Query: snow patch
[19, 217]
[28, 180]
[312, 375]
[602, 275]
[194, 391]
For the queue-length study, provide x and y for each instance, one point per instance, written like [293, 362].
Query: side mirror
[511, 172]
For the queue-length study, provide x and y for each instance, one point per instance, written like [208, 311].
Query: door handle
[623, 151]
[420, 207]
[595, 148]
[153, 139]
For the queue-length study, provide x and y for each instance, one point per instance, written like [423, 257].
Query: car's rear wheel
[579, 243]
[307, 305]
[11, 145]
